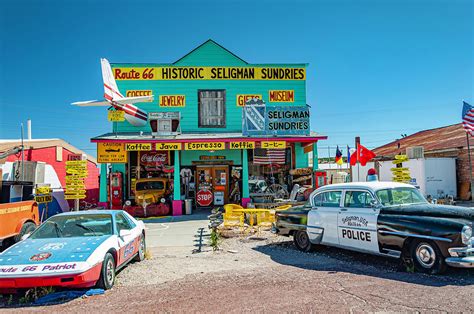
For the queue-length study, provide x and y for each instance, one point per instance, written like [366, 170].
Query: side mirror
[374, 204]
[124, 233]
[25, 236]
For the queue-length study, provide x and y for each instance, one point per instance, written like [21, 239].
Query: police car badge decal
[40, 256]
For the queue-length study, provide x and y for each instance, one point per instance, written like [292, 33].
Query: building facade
[199, 133]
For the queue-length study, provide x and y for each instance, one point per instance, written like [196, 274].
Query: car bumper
[462, 257]
[81, 280]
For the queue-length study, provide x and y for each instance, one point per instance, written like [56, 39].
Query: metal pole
[470, 164]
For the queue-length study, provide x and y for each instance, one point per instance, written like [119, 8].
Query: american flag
[468, 118]
[269, 156]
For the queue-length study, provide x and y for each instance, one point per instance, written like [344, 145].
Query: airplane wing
[133, 100]
[91, 103]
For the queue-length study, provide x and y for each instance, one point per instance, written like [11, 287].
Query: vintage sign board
[275, 120]
[204, 197]
[76, 172]
[168, 146]
[116, 115]
[43, 199]
[209, 73]
[111, 153]
[241, 145]
[137, 146]
[205, 146]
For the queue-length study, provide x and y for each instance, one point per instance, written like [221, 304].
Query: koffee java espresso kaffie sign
[274, 120]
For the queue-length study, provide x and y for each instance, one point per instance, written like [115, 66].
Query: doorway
[212, 187]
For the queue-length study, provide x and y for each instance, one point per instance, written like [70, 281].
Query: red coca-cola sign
[204, 197]
[153, 159]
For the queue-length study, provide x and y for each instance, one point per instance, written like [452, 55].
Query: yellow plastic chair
[232, 220]
[265, 220]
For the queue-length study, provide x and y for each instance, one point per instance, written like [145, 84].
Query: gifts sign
[153, 160]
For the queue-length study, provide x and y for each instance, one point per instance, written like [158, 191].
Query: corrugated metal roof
[448, 137]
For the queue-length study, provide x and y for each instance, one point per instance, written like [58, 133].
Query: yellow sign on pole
[43, 199]
[274, 144]
[205, 146]
[242, 145]
[76, 172]
[116, 115]
[168, 146]
[111, 153]
[137, 146]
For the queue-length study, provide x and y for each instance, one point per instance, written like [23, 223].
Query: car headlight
[163, 200]
[128, 203]
[466, 234]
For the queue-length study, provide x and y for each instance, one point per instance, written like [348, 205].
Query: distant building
[54, 152]
[448, 141]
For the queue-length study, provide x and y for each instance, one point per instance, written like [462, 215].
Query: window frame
[328, 191]
[224, 109]
[125, 219]
[358, 190]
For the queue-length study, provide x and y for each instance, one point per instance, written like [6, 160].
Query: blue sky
[377, 68]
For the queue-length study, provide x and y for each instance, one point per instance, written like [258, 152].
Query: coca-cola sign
[153, 159]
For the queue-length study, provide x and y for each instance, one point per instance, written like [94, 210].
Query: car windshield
[400, 196]
[150, 185]
[69, 226]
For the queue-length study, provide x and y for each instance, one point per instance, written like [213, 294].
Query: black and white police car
[383, 218]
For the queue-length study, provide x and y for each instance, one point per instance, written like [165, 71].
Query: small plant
[10, 300]
[148, 254]
[214, 239]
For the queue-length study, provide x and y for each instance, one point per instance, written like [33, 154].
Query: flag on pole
[364, 155]
[348, 154]
[338, 158]
[361, 155]
[468, 118]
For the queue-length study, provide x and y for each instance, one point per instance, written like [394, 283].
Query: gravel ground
[271, 275]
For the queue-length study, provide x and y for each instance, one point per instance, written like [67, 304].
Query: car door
[357, 221]
[127, 243]
[323, 217]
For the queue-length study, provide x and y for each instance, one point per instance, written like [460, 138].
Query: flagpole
[470, 163]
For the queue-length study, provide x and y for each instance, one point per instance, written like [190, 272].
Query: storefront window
[211, 108]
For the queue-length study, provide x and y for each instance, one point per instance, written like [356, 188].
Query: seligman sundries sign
[268, 120]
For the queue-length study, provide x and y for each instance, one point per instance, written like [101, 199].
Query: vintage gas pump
[116, 190]
[320, 178]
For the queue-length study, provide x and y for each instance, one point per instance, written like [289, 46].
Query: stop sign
[204, 197]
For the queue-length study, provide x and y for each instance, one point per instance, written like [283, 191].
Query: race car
[74, 249]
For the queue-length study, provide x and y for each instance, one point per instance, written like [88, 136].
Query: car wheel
[427, 257]
[301, 240]
[141, 249]
[27, 227]
[107, 275]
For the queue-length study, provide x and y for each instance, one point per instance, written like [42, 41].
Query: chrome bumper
[462, 257]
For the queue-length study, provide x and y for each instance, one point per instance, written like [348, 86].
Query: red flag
[362, 155]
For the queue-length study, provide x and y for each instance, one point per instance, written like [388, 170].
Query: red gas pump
[320, 179]
[116, 190]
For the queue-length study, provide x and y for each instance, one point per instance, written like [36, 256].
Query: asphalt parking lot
[268, 274]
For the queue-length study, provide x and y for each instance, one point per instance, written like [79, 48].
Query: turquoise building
[218, 127]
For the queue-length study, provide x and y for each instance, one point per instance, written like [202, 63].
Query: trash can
[188, 205]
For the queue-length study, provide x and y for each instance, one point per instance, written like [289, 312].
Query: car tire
[27, 227]
[427, 257]
[107, 274]
[301, 240]
[141, 249]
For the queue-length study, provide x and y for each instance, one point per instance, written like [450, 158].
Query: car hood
[57, 250]
[431, 210]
